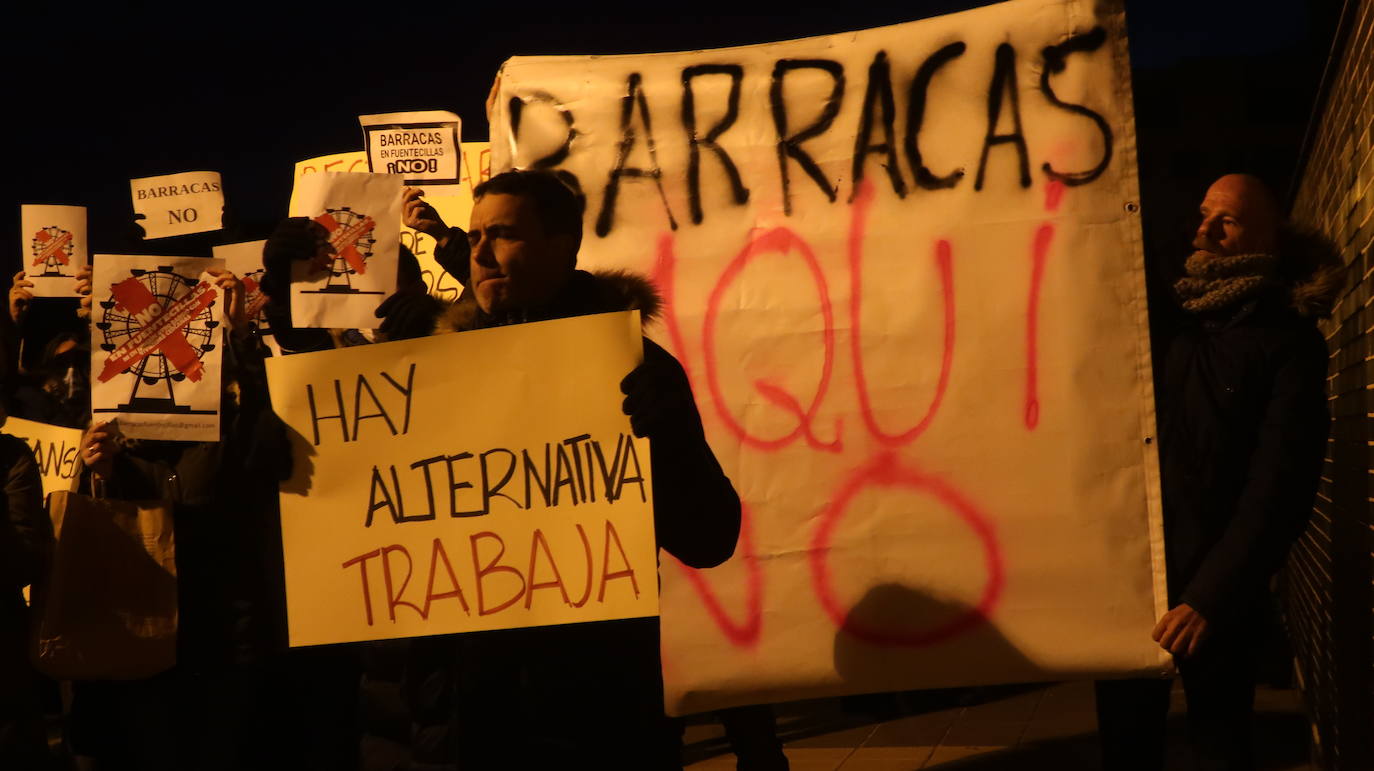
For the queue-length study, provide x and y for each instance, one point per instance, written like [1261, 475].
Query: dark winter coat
[25, 543]
[1243, 423]
[579, 695]
[224, 499]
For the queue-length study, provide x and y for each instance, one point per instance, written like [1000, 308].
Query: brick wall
[1329, 583]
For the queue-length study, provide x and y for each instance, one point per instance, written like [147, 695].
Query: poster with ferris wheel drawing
[52, 247]
[155, 346]
[359, 222]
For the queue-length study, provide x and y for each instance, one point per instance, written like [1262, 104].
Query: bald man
[1242, 428]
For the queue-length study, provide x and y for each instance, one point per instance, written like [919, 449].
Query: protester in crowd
[54, 386]
[236, 698]
[586, 691]
[580, 695]
[409, 312]
[1242, 427]
[25, 543]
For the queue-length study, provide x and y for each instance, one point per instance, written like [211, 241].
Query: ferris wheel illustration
[157, 326]
[351, 242]
[53, 248]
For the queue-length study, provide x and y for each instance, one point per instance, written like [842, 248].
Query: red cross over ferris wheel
[53, 248]
[157, 325]
[351, 242]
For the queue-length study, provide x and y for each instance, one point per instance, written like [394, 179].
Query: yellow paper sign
[483, 480]
[55, 449]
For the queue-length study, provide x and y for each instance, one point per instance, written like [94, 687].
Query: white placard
[178, 204]
[244, 259]
[156, 333]
[421, 146]
[362, 213]
[52, 240]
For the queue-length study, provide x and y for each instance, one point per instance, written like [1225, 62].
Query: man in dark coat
[581, 695]
[1242, 427]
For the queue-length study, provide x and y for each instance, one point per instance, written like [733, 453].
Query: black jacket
[25, 543]
[577, 695]
[1243, 423]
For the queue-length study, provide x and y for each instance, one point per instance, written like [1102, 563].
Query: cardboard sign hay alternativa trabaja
[464, 482]
[53, 247]
[903, 269]
[178, 204]
[362, 215]
[156, 336]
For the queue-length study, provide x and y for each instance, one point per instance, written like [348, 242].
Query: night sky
[99, 97]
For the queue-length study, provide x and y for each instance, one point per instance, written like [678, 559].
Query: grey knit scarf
[1215, 281]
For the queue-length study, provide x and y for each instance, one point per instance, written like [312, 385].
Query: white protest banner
[244, 260]
[55, 449]
[453, 202]
[362, 213]
[903, 268]
[155, 346]
[422, 146]
[178, 204]
[53, 242]
[483, 480]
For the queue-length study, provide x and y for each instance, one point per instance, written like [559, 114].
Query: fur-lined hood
[603, 291]
[1310, 266]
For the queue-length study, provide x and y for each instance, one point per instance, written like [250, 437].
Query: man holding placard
[524, 237]
[1243, 425]
[576, 695]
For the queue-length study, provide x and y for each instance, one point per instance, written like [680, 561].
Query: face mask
[68, 373]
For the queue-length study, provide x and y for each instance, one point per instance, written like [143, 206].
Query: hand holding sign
[83, 290]
[21, 294]
[361, 215]
[655, 392]
[98, 448]
[417, 214]
[295, 239]
[408, 314]
[235, 311]
[53, 247]
[245, 260]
